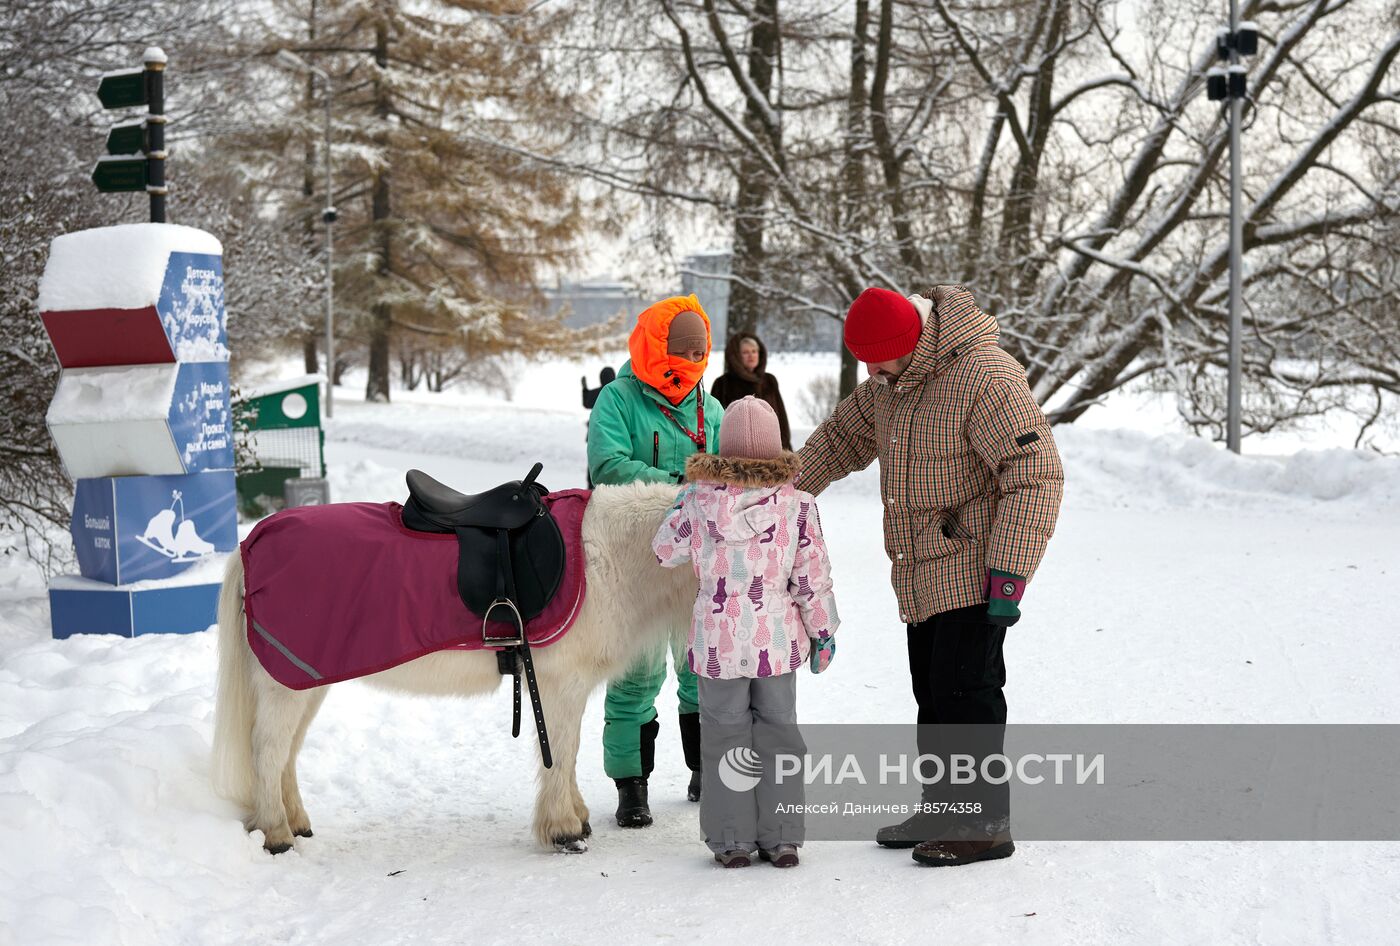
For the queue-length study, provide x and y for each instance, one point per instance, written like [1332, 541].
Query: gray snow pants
[743, 724]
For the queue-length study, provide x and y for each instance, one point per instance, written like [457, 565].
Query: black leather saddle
[510, 563]
[510, 554]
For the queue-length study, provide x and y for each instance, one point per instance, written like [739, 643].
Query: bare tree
[1058, 156]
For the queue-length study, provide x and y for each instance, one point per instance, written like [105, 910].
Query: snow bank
[502, 434]
[118, 267]
[106, 779]
[1127, 468]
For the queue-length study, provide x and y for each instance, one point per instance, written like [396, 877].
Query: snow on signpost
[141, 419]
[131, 420]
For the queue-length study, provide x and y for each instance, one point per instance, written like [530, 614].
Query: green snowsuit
[630, 440]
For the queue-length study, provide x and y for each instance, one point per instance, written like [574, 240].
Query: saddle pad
[344, 590]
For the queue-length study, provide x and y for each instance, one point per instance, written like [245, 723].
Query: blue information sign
[138, 528]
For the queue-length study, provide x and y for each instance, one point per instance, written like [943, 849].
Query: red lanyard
[697, 439]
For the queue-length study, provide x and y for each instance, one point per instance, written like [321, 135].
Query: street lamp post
[290, 60]
[1239, 39]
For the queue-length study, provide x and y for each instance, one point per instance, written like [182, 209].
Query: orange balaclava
[670, 374]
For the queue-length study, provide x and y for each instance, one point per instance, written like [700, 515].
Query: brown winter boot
[969, 847]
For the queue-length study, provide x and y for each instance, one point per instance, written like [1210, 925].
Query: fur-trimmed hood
[742, 471]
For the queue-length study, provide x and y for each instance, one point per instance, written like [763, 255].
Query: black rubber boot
[690, 747]
[632, 808]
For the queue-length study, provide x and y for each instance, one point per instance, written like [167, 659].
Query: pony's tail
[233, 705]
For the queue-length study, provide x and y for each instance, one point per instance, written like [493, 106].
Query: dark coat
[737, 381]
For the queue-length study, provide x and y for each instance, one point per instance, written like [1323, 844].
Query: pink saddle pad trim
[345, 590]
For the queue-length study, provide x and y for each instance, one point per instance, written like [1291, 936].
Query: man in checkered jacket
[971, 485]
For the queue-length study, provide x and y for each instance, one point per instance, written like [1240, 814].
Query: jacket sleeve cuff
[1004, 591]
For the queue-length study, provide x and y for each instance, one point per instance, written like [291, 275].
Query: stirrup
[495, 640]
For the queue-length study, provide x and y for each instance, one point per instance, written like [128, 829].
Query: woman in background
[745, 375]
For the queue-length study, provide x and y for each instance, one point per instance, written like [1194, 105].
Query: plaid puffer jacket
[969, 473]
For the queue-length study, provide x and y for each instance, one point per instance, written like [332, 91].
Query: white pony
[631, 604]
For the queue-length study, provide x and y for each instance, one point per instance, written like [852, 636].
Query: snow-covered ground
[1183, 585]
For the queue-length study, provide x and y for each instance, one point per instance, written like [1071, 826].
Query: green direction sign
[127, 139]
[113, 175]
[123, 89]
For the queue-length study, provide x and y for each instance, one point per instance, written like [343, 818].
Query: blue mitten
[823, 652]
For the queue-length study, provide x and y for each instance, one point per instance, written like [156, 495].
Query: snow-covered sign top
[119, 267]
[135, 294]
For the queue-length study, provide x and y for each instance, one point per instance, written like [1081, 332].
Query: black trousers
[957, 671]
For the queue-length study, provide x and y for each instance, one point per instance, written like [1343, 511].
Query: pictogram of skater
[178, 543]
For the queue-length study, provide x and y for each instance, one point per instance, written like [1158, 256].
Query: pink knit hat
[750, 429]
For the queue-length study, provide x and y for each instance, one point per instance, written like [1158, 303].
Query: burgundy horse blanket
[344, 590]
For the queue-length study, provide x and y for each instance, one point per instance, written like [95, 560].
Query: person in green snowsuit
[644, 426]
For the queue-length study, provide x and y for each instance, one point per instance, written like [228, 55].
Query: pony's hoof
[275, 849]
[571, 845]
[303, 833]
[587, 830]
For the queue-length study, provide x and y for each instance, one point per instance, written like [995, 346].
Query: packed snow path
[1182, 586]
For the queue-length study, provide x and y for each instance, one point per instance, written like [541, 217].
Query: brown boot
[969, 847]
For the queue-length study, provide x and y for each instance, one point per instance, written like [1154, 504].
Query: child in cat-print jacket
[765, 607]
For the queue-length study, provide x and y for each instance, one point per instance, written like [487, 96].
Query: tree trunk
[309, 356]
[1018, 270]
[410, 371]
[381, 314]
[850, 368]
[909, 254]
[745, 304]
[308, 190]
[855, 214]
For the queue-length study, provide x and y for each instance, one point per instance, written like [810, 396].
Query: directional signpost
[135, 158]
[124, 88]
[129, 138]
[117, 173]
[141, 415]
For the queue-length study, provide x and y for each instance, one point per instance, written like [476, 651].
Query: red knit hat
[882, 326]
